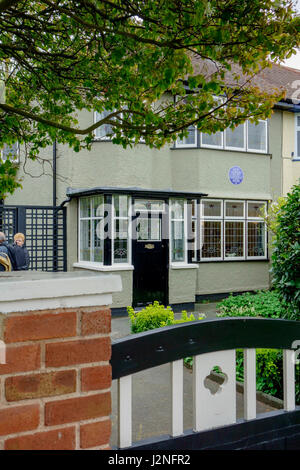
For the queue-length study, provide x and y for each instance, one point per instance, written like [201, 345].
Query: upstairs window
[10, 152]
[247, 137]
[104, 132]
[190, 140]
[235, 138]
[212, 140]
[257, 136]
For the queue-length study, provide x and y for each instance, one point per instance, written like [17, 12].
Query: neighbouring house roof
[276, 78]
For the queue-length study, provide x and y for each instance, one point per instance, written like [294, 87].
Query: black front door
[150, 256]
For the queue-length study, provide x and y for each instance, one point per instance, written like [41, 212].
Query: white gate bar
[177, 397]
[289, 379]
[249, 383]
[196, 393]
[125, 411]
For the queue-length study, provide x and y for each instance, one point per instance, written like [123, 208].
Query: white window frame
[194, 218]
[265, 237]
[210, 217]
[13, 160]
[101, 139]
[238, 149]
[184, 145]
[297, 129]
[185, 232]
[257, 219]
[255, 202]
[90, 263]
[208, 146]
[129, 240]
[242, 217]
[235, 258]
[249, 149]
[158, 211]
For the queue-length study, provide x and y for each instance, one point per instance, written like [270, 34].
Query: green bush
[155, 316]
[286, 254]
[265, 304]
[269, 372]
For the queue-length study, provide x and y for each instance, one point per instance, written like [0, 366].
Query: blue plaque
[236, 175]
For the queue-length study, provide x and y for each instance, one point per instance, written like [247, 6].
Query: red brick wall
[55, 387]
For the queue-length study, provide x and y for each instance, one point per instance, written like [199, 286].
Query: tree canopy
[58, 57]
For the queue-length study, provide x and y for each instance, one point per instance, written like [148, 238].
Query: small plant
[156, 316]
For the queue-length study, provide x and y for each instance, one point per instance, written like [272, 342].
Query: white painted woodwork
[289, 379]
[249, 384]
[219, 409]
[29, 290]
[125, 411]
[177, 397]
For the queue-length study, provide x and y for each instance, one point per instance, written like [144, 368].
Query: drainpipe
[54, 173]
[55, 214]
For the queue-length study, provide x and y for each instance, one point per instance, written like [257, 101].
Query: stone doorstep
[260, 396]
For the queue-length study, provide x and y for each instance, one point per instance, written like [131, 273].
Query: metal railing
[45, 230]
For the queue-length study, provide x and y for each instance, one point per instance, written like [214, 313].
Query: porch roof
[134, 191]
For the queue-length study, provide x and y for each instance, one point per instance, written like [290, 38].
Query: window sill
[267, 154]
[184, 266]
[100, 267]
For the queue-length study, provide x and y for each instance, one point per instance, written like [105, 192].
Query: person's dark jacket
[8, 249]
[22, 259]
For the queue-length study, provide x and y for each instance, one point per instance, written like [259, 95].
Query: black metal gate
[45, 230]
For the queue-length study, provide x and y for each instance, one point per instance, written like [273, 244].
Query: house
[182, 223]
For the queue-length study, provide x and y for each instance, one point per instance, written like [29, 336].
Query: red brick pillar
[55, 387]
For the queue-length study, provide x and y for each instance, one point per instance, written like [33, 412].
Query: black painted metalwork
[276, 430]
[45, 230]
[207, 335]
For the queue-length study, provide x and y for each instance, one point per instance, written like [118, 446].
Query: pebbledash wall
[55, 376]
[199, 170]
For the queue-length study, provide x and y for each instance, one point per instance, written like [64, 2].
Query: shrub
[155, 316]
[269, 372]
[265, 304]
[286, 253]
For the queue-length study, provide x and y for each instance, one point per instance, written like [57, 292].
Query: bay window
[104, 229]
[232, 230]
[246, 137]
